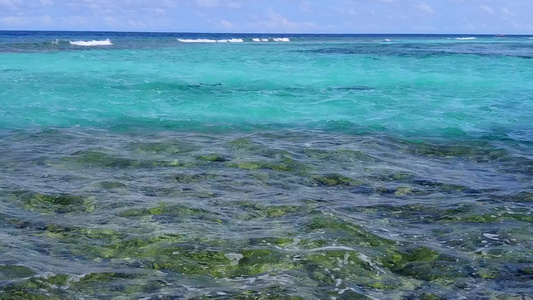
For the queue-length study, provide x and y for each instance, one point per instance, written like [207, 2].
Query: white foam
[281, 39]
[465, 38]
[210, 41]
[196, 41]
[260, 40]
[93, 43]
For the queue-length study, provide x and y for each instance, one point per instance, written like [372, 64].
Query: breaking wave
[233, 40]
[210, 41]
[93, 43]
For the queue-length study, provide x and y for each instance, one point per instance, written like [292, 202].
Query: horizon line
[279, 33]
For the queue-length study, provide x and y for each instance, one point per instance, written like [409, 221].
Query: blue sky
[279, 16]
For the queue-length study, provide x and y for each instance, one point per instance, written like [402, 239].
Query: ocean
[265, 166]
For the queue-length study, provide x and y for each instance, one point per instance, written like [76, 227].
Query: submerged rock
[8, 272]
[58, 203]
[170, 147]
[331, 180]
[213, 158]
[346, 232]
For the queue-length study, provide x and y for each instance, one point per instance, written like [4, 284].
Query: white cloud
[10, 4]
[275, 22]
[424, 7]
[46, 2]
[468, 27]
[507, 12]
[487, 9]
[22, 21]
[15, 21]
[269, 15]
[234, 4]
[226, 24]
[207, 3]
[76, 20]
[305, 6]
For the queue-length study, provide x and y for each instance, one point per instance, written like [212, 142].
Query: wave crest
[210, 41]
[196, 41]
[93, 43]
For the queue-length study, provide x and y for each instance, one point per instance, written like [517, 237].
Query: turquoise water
[342, 166]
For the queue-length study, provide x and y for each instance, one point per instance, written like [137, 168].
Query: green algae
[178, 212]
[396, 177]
[58, 203]
[164, 209]
[109, 244]
[212, 158]
[171, 147]
[221, 264]
[285, 165]
[277, 241]
[261, 261]
[527, 270]
[426, 264]
[112, 185]
[444, 272]
[487, 274]
[113, 285]
[42, 283]
[492, 218]
[523, 197]
[96, 158]
[193, 178]
[100, 159]
[441, 187]
[191, 261]
[398, 261]
[275, 211]
[429, 296]
[105, 277]
[244, 144]
[8, 272]
[18, 294]
[36, 288]
[252, 210]
[331, 180]
[346, 232]
[267, 293]
[339, 155]
[57, 280]
[339, 267]
[404, 191]
[478, 153]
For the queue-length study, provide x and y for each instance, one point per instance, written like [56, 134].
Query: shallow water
[327, 167]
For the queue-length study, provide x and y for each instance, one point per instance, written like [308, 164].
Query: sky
[272, 16]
